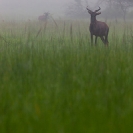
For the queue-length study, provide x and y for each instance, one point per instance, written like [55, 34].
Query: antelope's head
[93, 14]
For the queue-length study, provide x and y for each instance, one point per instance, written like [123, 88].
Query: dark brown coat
[43, 17]
[98, 28]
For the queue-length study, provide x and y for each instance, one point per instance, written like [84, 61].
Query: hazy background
[33, 8]
[28, 9]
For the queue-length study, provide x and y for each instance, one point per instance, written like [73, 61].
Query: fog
[33, 8]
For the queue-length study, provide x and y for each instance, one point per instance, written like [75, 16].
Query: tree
[124, 5]
[77, 9]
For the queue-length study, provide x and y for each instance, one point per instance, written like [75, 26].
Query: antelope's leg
[103, 40]
[95, 40]
[106, 38]
[91, 39]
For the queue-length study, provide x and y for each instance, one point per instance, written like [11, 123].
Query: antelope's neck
[93, 21]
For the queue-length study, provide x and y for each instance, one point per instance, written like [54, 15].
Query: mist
[32, 8]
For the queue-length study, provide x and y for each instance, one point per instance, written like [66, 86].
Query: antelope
[43, 17]
[98, 28]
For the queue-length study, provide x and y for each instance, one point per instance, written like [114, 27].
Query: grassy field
[53, 81]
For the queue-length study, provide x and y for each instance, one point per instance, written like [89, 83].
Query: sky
[34, 7]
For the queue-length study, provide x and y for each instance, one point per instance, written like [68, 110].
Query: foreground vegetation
[52, 80]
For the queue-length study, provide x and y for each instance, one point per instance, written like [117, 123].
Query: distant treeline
[110, 9]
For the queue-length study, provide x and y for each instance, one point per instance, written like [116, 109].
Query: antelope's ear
[98, 13]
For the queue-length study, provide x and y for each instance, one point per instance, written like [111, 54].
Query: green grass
[58, 83]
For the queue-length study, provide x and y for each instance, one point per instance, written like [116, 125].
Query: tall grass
[52, 80]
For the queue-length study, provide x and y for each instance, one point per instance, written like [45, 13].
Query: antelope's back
[103, 28]
[42, 18]
[99, 29]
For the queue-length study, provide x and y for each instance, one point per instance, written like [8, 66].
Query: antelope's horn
[88, 9]
[98, 9]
